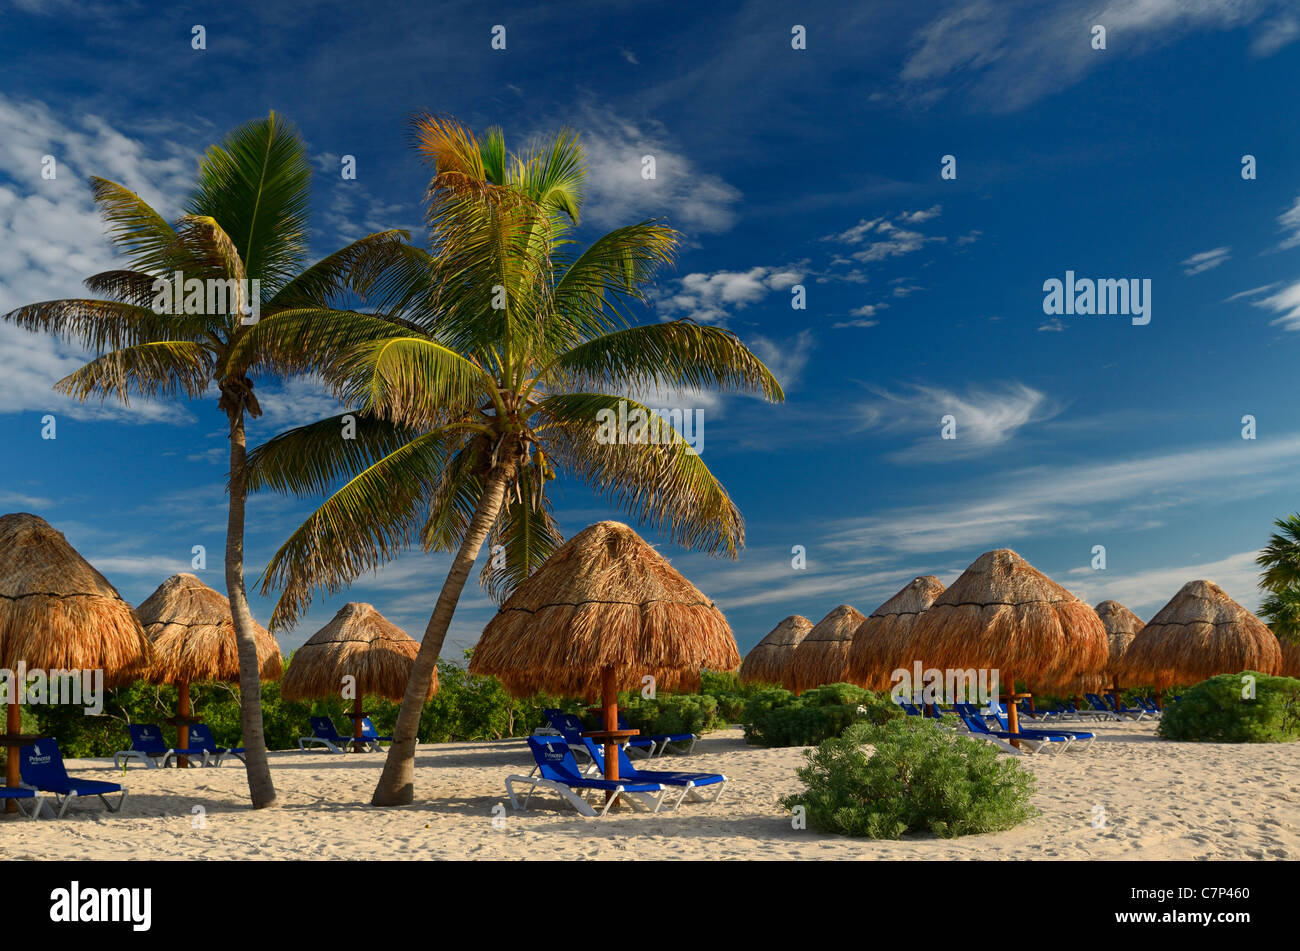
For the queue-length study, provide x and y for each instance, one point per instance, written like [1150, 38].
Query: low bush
[1219, 710]
[776, 717]
[671, 713]
[915, 777]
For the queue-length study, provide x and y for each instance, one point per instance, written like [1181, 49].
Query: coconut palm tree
[517, 348]
[245, 221]
[1280, 558]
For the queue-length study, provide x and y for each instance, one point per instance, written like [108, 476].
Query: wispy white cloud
[711, 298]
[694, 200]
[1286, 304]
[1148, 590]
[1289, 223]
[986, 417]
[1205, 260]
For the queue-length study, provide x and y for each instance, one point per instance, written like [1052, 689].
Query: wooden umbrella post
[13, 775]
[1013, 721]
[609, 700]
[1114, 690]
[357, 743]
[182, 727]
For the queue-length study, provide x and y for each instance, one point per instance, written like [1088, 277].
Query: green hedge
[917, 777]
[1215, 711]
[776, 717]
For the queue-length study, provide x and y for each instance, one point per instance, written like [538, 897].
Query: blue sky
[819, 167]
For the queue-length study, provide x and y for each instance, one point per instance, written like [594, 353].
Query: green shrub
[669, 713]
[1214, 711]
[776, 717]
[917, 777]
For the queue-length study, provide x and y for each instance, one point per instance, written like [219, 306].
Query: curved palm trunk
[397, 784]
[260, 787]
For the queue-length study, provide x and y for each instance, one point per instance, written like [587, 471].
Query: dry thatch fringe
[193, 635]
[769, 660]
[358, 641]
[823, 655]
[1002, 613]
[1200, 633]
[57, 612]
[881, 643]
[604, 599]
[1122, 625]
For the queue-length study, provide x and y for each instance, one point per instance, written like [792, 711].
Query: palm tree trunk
[397, 784]
[260, 787]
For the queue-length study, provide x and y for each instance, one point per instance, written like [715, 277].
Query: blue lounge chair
[1078, 739]
[1034, 741]
[1148, 705]
[1100, 708]
[368, 731]
[201, 740]
[689, 782]
[571, 728]
[557, 770]
[41, 766]
[21, 794]
[662, 739]
[147, 746]
[1124, 710]
[324, 734]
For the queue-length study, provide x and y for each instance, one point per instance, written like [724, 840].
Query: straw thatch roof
[59, 613]
[605, 598]
[1122, 626]
[358, 641]
[769, 660]
[193, 635]
[1200, 633]
[823, 656]
[1002, 613]
[881, 643]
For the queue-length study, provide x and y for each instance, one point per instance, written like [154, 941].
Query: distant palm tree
[1280, 559]
[516, 346]
[245, 219]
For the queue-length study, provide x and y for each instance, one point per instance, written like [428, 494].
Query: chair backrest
[974, 722]
[146, 738]
[568, 724]
[41, 765]
[201, 737]
[368, 729]
[554, 759]
[597, 753]
[1096, 701]
[323, 728]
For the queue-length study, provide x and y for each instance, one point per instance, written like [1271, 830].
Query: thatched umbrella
[603, 612]
[59, 613]
[193, 635]
[881, 643]
[1122, 626]
[361, 643]
[1004, 614]
[1290, 658]
[1199, 634]
[769, 660]
[823, 655]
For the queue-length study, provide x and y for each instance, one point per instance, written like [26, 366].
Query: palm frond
[413, 380]
[100, 324]
[525, 535]
[310, 459]
[359, 268]
[664, 484]
[136, 229]
[155, 368]
[358, 528]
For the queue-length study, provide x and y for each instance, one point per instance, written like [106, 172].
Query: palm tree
[514, 345]
[1280, 559]
[245, 220]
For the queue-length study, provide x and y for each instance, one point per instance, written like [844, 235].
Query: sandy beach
[1162, 800]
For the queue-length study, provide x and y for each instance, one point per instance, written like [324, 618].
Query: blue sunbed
[1035, 741]
[20, 795]
[201, 739]
[324, 734]
[41, 766]
[689, 782]
[147, 746]
[663, 739]
[1078, 738]
[571, 728]
[557, 770]
[1122, 709]
[368, 731]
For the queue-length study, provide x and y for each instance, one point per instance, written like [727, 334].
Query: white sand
[1162, 800]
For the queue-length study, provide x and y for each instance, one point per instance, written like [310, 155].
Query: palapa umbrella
[361, 643]
[823, 655]
[59, 613]
[769, 660]
[882, 642]
[193, 636]
[1004, 614]
[1122, 626]
[1199, 634]
[1290, 658]
[603, 612]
